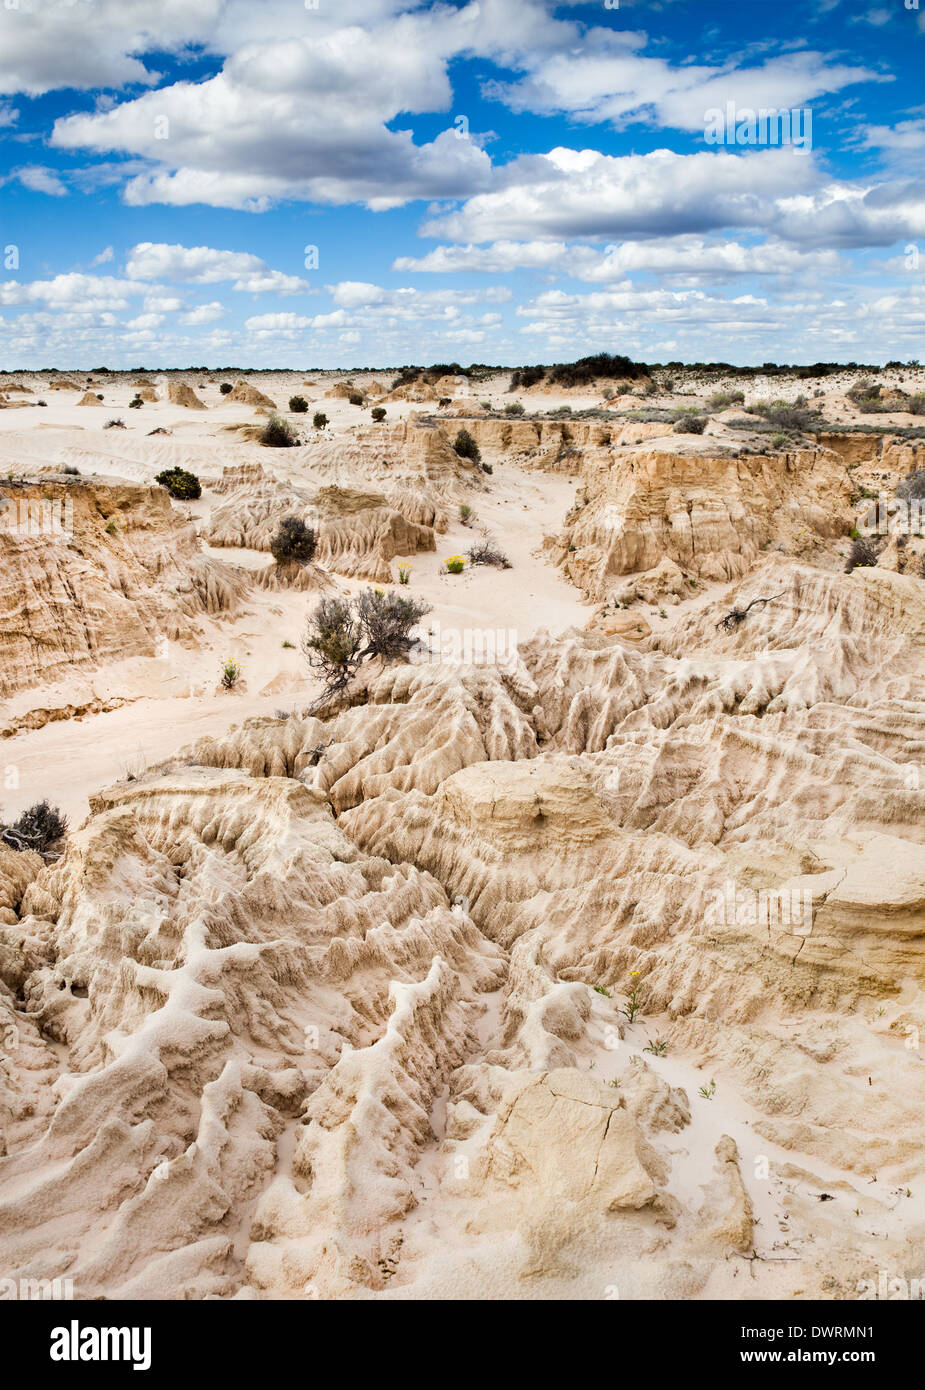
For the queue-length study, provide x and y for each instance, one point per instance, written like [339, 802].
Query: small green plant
[231, 672]
[633, 1002]
[378, 413]
[226, 388]
[514, 408]
[614, 1083]
[288, 644]
[298, 405]
[319, 420]
[404, 574]
[111, 528]
[601, 989]
[662, 613]
[136, 403]
[455, 564]
[657, 1048]
[355, 398]
[708, 1092]
[466, 514]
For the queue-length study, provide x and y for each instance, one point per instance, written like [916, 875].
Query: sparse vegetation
[466, 447]
[794, 418]
[689, 424]
[278, 433]
[722, 400]
[863, 553]
[298, 405]
[294, 543]
[40, 828]
[913, 485]
[181, 484]
[378, 413]
[466, 514]
[356, 398]
[342, 633]
[114, 425]
[486, 552]
[633, 1002]
[319, 420]
[226, 388]
[231, 672]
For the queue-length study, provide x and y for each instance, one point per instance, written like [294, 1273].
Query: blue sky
[378, 182]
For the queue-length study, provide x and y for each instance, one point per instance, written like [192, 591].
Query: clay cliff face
[96, 572]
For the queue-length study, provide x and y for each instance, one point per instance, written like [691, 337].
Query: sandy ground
[177, 699]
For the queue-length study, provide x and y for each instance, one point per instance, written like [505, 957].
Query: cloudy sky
[348, 182]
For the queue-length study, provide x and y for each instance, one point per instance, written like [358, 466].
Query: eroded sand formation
[594, 971]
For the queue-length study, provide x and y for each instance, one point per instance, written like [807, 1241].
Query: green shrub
[514, 408]
[526, 376]
[226, 388]
[298, 405]
[319, 419]
[295, 543]
[342, 633]
[690, 424]
[721, 400]
[180, 484]
[466, 447]
[278, 433]
[378, 413]
[355, 398]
